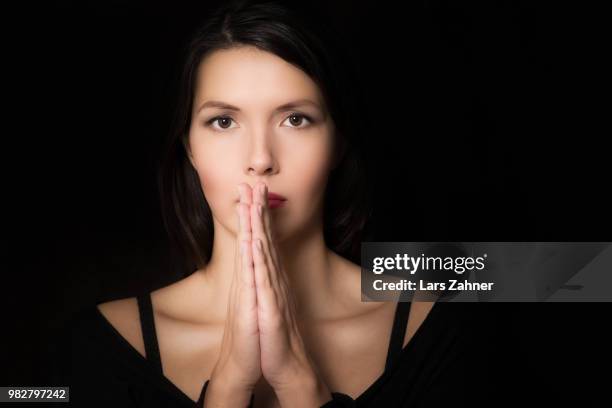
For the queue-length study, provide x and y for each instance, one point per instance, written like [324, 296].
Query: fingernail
[259, 209]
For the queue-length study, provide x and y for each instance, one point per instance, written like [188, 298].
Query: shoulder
[124, 316]
[91, 332]
[78, 348]
[84, 356]
[172, 303]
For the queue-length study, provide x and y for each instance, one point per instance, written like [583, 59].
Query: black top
[448, 360]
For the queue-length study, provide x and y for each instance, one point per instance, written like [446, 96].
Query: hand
[285, 364]
[239, 365]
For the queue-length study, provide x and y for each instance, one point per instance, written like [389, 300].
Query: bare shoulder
[124, 316]
[177, 302]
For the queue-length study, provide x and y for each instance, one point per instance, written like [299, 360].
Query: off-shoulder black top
[450, 359]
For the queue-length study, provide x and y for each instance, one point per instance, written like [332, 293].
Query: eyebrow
[283, 107]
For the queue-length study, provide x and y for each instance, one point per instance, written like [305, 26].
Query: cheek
[216, 172]
[309, 168]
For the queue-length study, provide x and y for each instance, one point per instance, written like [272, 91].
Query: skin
[290, 151]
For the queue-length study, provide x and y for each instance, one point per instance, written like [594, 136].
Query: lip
[275, 200]
[274, 196]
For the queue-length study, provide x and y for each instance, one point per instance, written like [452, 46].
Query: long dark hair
[294, 34]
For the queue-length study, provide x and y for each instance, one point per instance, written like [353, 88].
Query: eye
[297, 118]
[223, 121]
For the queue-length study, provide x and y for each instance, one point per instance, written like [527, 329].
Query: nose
[261, 160]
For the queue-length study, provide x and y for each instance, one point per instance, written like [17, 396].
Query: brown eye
[223, 122]
[297, 119]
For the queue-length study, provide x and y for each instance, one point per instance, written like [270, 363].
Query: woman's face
[257, 138]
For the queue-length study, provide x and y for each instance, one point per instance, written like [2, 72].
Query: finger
[266, 296]
[279, 279]
[243, 211]
[241, 273]
[245, 236]
[263, 226]
[247, 193]
[240, 236]
[232, 304]
[244, 223]
[262, 198]
[270, 254]
[248, 294]
[238, 261]
[258, 234]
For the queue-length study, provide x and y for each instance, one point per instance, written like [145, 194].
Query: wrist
[306, 391]
[221, 393]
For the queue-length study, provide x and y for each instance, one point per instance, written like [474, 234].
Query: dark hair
[293, 34]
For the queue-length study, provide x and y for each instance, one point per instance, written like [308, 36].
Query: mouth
[275, 200]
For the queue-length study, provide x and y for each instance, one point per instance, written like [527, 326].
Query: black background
[487, 122]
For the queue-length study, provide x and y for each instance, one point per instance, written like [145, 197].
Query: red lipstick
[275, 200]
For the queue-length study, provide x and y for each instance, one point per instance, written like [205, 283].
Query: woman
[263, 191]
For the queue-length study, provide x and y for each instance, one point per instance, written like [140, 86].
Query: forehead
[247, 74]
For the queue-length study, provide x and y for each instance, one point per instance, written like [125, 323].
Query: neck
[305, 260]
